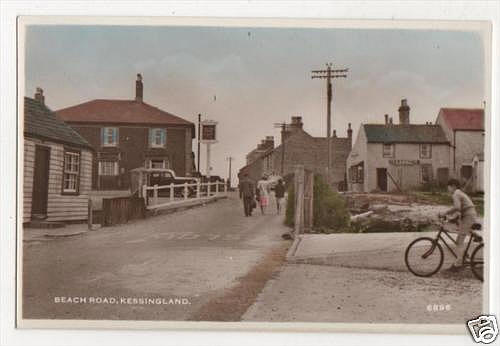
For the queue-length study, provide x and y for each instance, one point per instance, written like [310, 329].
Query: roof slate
[119, 112]
[40, 121]
[413, 133]
[464, 118]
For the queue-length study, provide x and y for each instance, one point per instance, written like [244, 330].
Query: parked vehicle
[164, 177]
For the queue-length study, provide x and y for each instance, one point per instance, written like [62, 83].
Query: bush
[330, 213]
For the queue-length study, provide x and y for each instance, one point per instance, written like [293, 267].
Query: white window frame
[71, 172]
[149, 163]
[155, 134]
[429, 151]
[108, 132]
[392, 150]
[102, 168]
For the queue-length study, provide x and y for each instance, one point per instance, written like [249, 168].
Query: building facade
[464, 129]
[300, 148]
[397, 157]
[128, 134]
[57, 166]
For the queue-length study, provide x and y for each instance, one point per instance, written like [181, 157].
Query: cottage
[299, 147]
[464, 129]
[128, 134]
[57, 166]
[391, 157]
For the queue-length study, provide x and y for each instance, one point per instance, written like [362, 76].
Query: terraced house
[128, 134]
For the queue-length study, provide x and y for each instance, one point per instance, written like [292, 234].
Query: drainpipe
[454, 151]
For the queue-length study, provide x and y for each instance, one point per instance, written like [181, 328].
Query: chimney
[270, 142]
[334, 133]
[404, 113]
[386, 116]
[349, 133]
[296, 123]
[39, 95]
[390, 121]
[138, 88]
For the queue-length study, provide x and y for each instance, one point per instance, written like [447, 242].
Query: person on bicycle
[463, 205]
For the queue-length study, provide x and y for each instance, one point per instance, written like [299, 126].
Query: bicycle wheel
[477, 262]
[424, 257]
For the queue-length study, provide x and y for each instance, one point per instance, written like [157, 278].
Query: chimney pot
[404, 113]
[39, 95]
[386, 116]
[334, 133]
[138, 88]
[390, 120]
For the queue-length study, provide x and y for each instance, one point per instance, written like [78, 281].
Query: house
[262, 148]
[391, 157]
[57, 166]
[299, 147]
[128, 134]
[464, 129]
[477, 181]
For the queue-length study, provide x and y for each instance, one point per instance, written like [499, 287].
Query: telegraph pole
[230, 159]
[199, 137]
[328, 74]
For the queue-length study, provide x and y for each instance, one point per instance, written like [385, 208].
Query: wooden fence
[120, 210]
[304, 194]
[159, 196]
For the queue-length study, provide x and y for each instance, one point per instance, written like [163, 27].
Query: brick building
[128, 134]
[299, 147]
[390, 157]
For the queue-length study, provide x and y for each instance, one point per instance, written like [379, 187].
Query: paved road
[184, 259]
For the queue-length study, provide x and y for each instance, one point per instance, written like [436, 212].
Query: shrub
[330, 213]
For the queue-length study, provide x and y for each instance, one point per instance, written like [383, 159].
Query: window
[425, 151]
[157, 138]
[356, 173]
[157, 163]
[388, 150]
[426, 173]
[71, 171]
[108, 168]
[109, 136]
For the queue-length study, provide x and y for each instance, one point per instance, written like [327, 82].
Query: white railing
[165, 195]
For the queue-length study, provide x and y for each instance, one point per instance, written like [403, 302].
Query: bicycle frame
[443, 240]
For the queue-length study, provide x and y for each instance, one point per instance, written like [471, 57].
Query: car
[165, 177]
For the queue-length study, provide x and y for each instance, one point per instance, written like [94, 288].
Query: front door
[382, 179]
[40, 182]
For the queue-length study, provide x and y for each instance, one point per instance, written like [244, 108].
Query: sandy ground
[322, 293]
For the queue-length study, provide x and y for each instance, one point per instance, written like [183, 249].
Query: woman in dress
[263, 192]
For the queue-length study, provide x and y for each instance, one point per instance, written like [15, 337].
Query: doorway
[382, 179]
[40, 182]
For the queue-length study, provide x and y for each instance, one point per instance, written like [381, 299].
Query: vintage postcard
[281, 174]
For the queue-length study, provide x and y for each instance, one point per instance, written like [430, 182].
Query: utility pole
[199, 138]
[230, 159]
[282, 126]
[328, 74]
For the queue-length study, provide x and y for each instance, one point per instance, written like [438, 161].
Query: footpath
[362, 278]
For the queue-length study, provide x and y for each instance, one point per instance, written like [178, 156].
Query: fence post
[185, 190]
[90, 215]
[198, 188]
[145, 193]
[216, 188]
[225, 189]
[299, 200]
[155, 194]
[171, 192]
[209, 187]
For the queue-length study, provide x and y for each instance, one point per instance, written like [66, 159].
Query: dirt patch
[235, 301]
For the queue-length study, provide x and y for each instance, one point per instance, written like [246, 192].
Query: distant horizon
[247, 79]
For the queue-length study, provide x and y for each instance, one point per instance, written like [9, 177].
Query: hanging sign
[208, 131]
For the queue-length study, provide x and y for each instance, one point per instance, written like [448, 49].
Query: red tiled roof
[119, 112]
[463, 118]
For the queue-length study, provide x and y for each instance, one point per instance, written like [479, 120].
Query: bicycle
[424, 256]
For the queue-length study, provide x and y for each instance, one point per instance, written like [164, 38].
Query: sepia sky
[259, 76]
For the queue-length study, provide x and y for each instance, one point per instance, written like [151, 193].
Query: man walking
[247, 193]
[279, 193]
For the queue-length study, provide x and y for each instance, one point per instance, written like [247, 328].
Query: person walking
[279, 194]
[247, 193]
[263, 192]
[463, 205]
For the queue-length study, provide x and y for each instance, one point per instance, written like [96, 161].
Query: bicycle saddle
[476, 226]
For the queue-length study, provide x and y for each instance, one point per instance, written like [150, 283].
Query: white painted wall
[357, 155]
